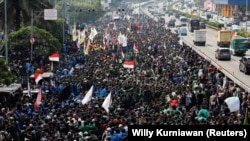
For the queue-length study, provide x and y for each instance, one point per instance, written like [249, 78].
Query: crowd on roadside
[170, 84]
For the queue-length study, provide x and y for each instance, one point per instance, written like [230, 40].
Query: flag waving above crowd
[114, 74]
[54, 57]
[37, 77]
[88, 96]
[107, 102]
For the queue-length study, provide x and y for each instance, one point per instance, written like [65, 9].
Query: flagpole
[5, 31]
[52, 66]
[84, 45]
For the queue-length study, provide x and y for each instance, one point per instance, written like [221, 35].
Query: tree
[6, 77]
[45, 42]
[55, 28]
[199, 3]
[19, 12]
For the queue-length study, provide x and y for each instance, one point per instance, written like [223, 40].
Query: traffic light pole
[5, 31]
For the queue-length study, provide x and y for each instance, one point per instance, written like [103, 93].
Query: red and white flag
[37, 77]
[38, 99]
[54, 57]
[129, 64]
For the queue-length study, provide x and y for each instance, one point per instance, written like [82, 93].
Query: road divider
[212, 27]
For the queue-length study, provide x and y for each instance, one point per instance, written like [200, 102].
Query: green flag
[246, 118]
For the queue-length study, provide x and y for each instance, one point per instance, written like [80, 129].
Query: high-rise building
[234, 8]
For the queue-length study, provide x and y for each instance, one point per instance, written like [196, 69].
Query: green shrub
[243, 33]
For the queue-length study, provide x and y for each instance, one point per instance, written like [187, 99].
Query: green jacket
[87, 128]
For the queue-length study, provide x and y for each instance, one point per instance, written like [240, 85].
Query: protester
[169, 84]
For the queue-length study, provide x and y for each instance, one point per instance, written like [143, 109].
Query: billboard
[232, 2]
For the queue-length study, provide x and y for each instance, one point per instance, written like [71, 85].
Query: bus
[194, 24]
[183, 21]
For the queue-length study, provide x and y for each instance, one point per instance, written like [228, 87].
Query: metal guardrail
[212, 27]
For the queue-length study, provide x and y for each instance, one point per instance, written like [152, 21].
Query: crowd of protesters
[170, 84]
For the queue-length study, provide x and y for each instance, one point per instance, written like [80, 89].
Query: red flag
[54, 57]
[37, 77]
[38, 99]
[129, 64]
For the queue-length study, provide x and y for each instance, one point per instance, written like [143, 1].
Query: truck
[238, 45]
[224, 38]
[199, 37]
[194, 24]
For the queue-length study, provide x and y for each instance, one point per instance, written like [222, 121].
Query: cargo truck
[224, 38]
[238, 45]
[199, 37]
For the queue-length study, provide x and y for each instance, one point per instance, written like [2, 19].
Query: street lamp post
[246, 14]
[63, 20]
[5, 31]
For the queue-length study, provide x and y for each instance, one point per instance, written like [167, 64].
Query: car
[202, 25]
[235, 27]
[228, 23]
[182, 31]
[248, 43]
[244, 65]
[223, 53]
[177, 16]
[171, 24]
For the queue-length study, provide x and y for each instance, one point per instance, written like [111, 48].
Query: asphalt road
[229, 68]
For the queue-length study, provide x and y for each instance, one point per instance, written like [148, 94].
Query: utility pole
[63, 8]
[246, 14]
[5, 31]
[31, 35]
